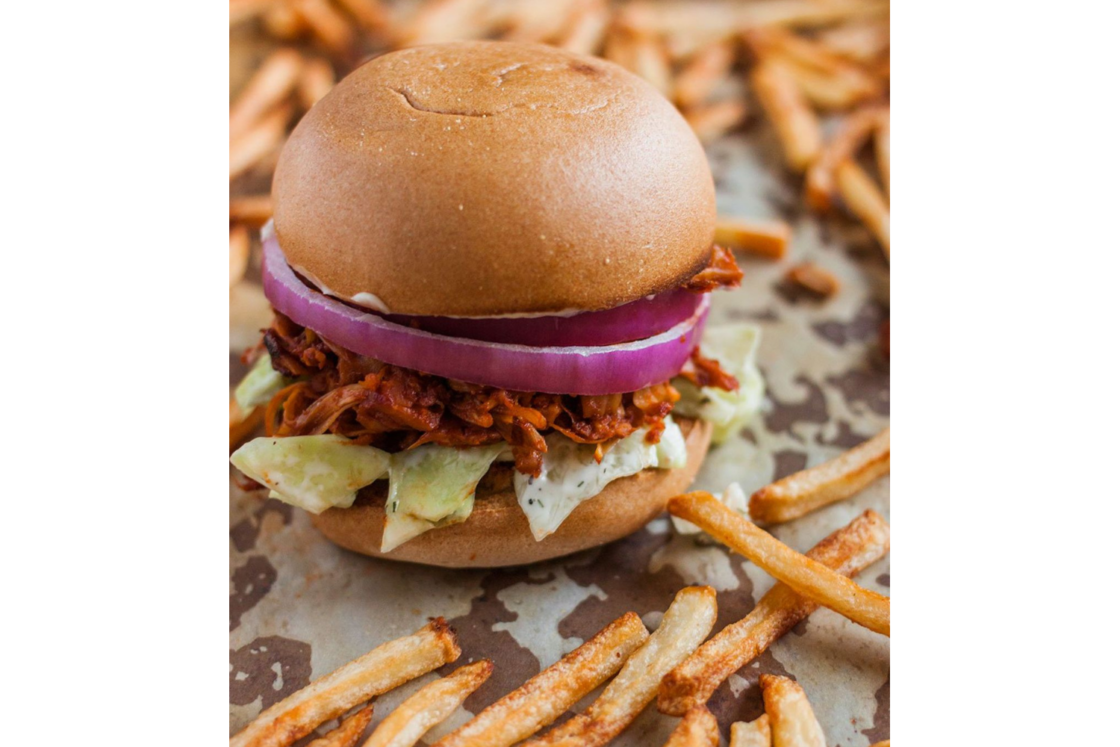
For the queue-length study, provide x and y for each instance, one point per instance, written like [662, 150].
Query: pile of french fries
[677, 665]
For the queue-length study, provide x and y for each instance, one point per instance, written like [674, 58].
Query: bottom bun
[497, 532]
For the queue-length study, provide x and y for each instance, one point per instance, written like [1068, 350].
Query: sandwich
[491, 265]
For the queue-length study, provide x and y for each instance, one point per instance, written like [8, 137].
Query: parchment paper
[301, 607]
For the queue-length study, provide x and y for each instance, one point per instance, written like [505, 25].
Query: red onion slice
[633, 321]
[609, 369]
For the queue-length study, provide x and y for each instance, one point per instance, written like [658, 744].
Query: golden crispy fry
[429, 706]
[586, 29]
[268, 87]
[372, 15]
[283, 22]
[251, 210]
[382, 669]
[327, 25]
[447, 20]
[776, 42]
[537, 22]
[543, 698]
[847, 550]
[814, 279]
[864, 198]
[315, 82]
[792, 721]
[826, 483]
[262, 139]
[884, 743]
[243, 10]
[685, 625]
[238, 253]
[651, 62]
[710, 122]
[831, 92]
[883, 151]
[765, 238]
[698, 728]
[709, 22]
[751, 734]
[348, 732]
[703, 73]
[853, 133]
[798, 128]
[806, 576]
[864, 41]
[242, 425]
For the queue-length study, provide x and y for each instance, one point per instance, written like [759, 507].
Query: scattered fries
[883, 152]
[864, 198]
[857, 128]
[798, 128]
[765, 238]
[429, 706]
[384, 668]
[258, 142]
[751, 734]
[703, 73]
[266, 90]
[546, 696]
[315, 82]
[251, 210]
[328, 26]
[835, 480]
[792, 721]
[803, 574]
[814, 279]
[348, 732]
[847, 550]
[685, 625]
[584, 34]
[238, 253]
[862, 42]
[884, 743]
[698, 728]
[241, 424]
[710, 122]
[828, 80]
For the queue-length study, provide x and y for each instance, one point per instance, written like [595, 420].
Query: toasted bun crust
[489, 178]
[497, 532]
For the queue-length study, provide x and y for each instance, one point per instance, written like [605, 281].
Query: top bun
[491, 178]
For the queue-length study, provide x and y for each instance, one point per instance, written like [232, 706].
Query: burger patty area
[396, 408]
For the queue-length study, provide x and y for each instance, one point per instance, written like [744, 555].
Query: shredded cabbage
[312, 472]
[432, 486]
[734, 346]
[570, 474]
[259, 385]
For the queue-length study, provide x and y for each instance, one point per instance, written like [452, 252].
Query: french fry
[803, 574]
[372, 15]
[831, 92]
[327, 25]
[651, 62]
[703, 73]
[853, 133]
[848, 550]
[828, 79]
[792, 721]
[251, 210]
[586, 29]
[884, 743]
[835, 480]
[446, 20]
[268, 87]
[348, 732]
[710, 122]
[863, 41]
[429, 706]
[242, 424]
[537, 22]
[238, 253]
[698, 728]
[709, 22]
[798, 128]
[315, 82]
[263, 138]
[765, 238]
[283, 22]
[546, 696]
[883, 152]
[814, 279]
[244, 10]
[751, 733]
[866, 201]
[685, 625]
[382, 669]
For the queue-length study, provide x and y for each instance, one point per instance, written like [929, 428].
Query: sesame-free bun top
[492, 178]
